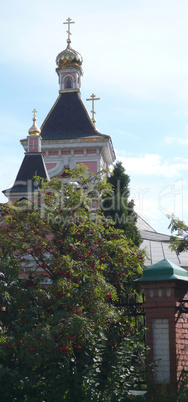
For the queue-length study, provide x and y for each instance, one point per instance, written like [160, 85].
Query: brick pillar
[167, 337]
[181, 328]
[160, 308]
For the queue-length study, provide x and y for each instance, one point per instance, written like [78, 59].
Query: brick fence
[165, 286]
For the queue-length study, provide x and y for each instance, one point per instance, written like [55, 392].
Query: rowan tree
[66, 272]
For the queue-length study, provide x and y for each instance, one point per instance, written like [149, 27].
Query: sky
[135, 58]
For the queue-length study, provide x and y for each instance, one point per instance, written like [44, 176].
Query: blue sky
[135, 59]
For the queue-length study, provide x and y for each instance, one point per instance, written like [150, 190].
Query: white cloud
[176, 140]
[153, 165]
[181, 140]
[158, 188]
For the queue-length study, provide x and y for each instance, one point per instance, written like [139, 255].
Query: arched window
[68, 83]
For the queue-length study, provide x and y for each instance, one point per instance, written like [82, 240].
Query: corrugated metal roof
[157, 247]
[143, 225]
[154, 236]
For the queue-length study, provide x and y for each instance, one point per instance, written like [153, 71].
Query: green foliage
[159, 392]
[66, 271]
[183, 390]
[117, 205]
[179, 241]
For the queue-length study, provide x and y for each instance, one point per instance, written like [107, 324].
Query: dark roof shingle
[32, 165]
[68, 119]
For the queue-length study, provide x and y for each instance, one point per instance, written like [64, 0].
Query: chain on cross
[69, 21]
[93, 99]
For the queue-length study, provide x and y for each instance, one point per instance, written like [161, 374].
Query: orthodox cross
[69, 21]
[34, 114]
[93, 99]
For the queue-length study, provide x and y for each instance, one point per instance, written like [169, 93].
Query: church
[67, 137]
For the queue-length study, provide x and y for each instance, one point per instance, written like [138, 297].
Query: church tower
[69, 66]
[68, 136]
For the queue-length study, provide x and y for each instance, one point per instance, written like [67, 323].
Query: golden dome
[34, 130]
[69, 57]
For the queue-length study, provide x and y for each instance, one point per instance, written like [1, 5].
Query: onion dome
[68, 58]
[69, 66]
[34, 130]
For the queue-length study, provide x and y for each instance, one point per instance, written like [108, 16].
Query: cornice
[68, 91]
[71, 141]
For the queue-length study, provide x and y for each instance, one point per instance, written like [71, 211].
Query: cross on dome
[69, 21]
[34, 130]
[93, 99]
[34, 114]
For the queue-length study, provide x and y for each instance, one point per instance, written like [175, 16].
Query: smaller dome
[69, 57]
[34, 130]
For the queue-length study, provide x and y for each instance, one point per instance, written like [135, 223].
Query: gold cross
[69, 21]
[93, 99]
[34, 114]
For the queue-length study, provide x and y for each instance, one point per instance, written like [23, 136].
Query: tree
[118, 206]
[179, 241]
[66, 331]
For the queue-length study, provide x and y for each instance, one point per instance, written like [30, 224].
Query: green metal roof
[164, 270]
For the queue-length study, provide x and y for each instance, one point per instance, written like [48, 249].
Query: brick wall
[161, 309]
[167, 337]
[181, 340]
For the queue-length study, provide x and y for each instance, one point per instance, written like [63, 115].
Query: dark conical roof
[32, 165]
[68, 119]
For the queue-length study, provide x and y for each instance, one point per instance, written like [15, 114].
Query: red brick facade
[163, 302]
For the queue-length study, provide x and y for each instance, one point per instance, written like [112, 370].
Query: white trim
[161, 352]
